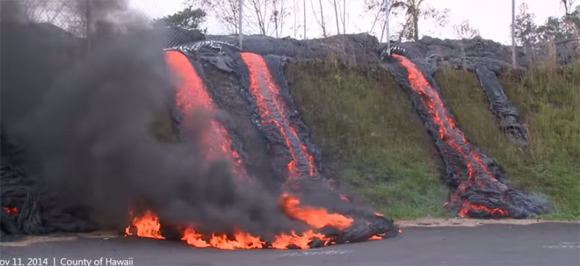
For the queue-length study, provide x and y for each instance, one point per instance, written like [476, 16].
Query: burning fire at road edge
[148, 226]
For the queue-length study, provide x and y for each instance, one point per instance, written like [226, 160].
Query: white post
[514, 61]
[387, 25]
[240, 15]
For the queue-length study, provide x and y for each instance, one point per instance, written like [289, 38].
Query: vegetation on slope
[548, 99]
[370, 135]
[373, 140]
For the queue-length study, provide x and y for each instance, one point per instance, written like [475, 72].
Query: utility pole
[387, 25]
[240, 15]
[304, 9]
[514, 61]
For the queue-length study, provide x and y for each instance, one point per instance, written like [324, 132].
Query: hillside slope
[373, 140]
[548, 99]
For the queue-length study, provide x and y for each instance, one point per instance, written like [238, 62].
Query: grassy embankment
[373, 140]
[370, 135]
[548, 101]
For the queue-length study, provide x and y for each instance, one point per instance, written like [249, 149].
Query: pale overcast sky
[491, 17]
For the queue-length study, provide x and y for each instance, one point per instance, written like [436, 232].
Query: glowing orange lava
[191, 94]
[146, 226]
[241, 240]
[11, 210]
[315, 217]
[447, 130]
[271, 106]
[302, 241]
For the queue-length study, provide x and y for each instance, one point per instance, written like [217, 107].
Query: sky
[491, 17]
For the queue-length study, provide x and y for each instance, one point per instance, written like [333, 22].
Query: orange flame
[241, 240]
[283, 241]
[315, 217]
[11, 210]
[146, 226]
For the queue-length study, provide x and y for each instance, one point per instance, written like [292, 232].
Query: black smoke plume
[85, 128]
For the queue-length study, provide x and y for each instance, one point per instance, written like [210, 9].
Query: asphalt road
[537, 244]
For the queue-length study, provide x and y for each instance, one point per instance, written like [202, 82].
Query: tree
[339, 15]
[259, 9]
[561, 29]
[321, 22]
[336, 7]
[567, 6]
[464, 30]
[530, 35]
[526, 30]
[279, 15]
[413, 11]
[189, 18]
[226, 11]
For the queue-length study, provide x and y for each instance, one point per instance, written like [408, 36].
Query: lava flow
[338, 227]
[478, 173]
[11, 210]
[315, 217]
[192, 94]
[148, 226]
[272, 111]
[275, 113]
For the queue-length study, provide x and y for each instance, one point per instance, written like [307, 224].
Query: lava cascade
[475, 182]
[192, 94]
[274, 112]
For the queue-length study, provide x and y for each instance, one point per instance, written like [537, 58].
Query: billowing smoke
[86, 128]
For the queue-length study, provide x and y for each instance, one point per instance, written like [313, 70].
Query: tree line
[280, 18]
[555, 29]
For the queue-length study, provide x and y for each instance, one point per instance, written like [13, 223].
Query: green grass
[370, 136]
[548, 101]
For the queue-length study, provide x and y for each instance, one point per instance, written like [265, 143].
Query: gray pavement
[537, 244]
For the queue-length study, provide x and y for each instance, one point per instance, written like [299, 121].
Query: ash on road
[537, 244]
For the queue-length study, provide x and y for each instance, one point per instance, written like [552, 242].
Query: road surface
[537, 244]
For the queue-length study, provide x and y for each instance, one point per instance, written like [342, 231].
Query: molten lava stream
[11, 210]
[271, 108]
[447, 129]
[316, 218]
[148, 226]
[192, 93]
